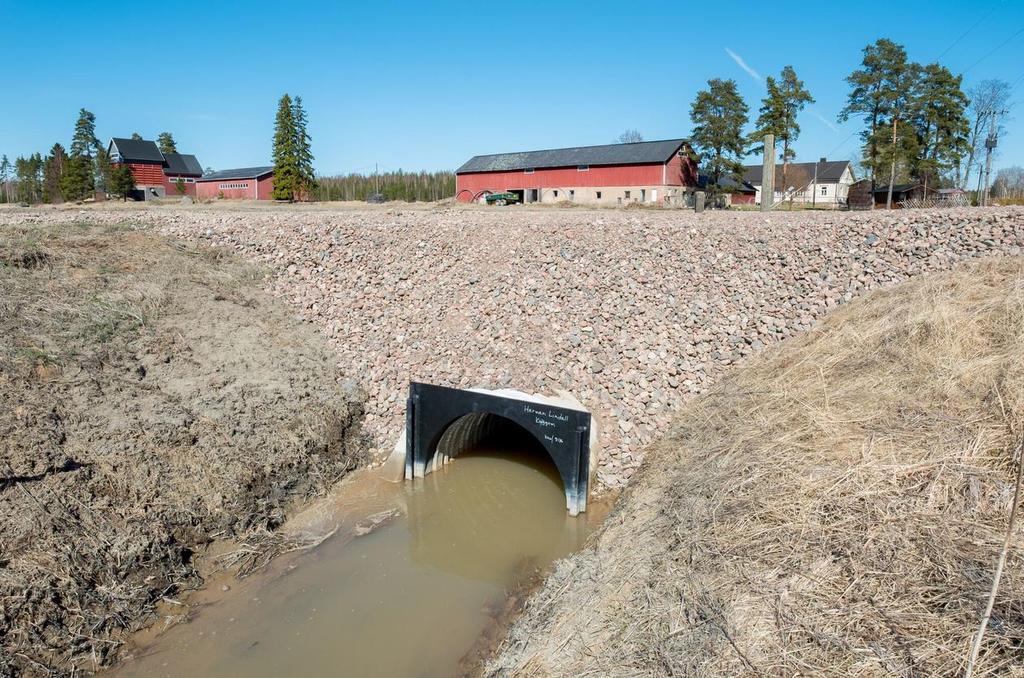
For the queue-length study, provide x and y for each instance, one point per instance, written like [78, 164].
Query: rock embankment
[634, 312]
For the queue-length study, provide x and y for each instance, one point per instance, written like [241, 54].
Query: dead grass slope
[152, 399]
[835, 508]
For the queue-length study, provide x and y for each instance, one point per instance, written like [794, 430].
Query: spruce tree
[53, 174]
[79, 176]
[779, 109]
[122, 182]
[286, 169]
[165, 142]
[719, 114]
[306, 177]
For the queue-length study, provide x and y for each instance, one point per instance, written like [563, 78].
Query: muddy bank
[152, 399]
[835, 508]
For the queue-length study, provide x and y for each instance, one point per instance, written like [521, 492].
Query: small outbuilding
[244, 183]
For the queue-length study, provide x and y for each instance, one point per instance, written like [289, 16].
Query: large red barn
[614, 174]
[156, 174]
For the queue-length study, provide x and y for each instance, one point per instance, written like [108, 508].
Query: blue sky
[427, 85]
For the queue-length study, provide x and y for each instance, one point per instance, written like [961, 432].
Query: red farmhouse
[615, 174]
[156, 174]
[254, 183]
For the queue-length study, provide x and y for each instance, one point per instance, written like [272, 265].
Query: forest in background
[398, 185]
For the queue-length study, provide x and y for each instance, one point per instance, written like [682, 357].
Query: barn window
[556, 194]
[583, 168]
[572, 194]
[599, 195]
[528, 171]
[627, 195]
[824, 190]
[228, 187]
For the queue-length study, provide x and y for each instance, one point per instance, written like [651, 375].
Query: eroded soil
[152, 400]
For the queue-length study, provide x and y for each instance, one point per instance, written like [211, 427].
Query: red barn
[253, 183]
[156, 174]
[614, 174]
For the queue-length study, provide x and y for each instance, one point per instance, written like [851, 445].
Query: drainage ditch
[409, 598]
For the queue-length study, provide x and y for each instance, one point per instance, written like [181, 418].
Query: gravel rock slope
[634, 312]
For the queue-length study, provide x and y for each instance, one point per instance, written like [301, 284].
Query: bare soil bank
[837, 507]
[152, 399]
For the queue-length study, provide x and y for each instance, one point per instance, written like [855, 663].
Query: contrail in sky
[743, 64]
[825, 120]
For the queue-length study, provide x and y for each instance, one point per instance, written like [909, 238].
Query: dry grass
[836, 508]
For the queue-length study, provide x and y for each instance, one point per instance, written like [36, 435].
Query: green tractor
[501, 199]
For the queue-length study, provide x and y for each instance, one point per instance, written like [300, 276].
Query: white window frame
[232, 187]
[582, 168]
[528, 170]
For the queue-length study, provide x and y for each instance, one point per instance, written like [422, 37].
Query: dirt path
[152, 399]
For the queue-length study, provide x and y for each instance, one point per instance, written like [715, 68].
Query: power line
[1001, 45]
[968, 31]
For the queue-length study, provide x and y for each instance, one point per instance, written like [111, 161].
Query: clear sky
[427, 85]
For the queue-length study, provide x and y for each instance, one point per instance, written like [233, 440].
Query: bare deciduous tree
[986, 96]
[630, 136]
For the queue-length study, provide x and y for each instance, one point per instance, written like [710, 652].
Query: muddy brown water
[410, 598]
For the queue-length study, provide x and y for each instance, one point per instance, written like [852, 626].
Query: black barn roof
[136, 150]
[240, 173]
[644, 152]
[179, 163]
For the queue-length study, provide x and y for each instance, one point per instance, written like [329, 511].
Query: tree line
[399, 185]
[75, 173]
[918, 124]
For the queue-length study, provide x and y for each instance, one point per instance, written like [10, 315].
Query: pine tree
[306, 177]
[719, 114]
[286, 170]
[136, 136]
[84, 139]
[53, 174]
[877, 95]
[940, 118]
[165, 142]
[779, 109]
[30, 181]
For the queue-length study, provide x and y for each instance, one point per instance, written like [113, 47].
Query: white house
[825, 183]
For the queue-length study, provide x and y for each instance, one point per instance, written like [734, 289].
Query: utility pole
[990, 145]
[768, 174]
[814, 191]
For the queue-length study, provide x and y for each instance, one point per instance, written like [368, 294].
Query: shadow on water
[490, 508]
